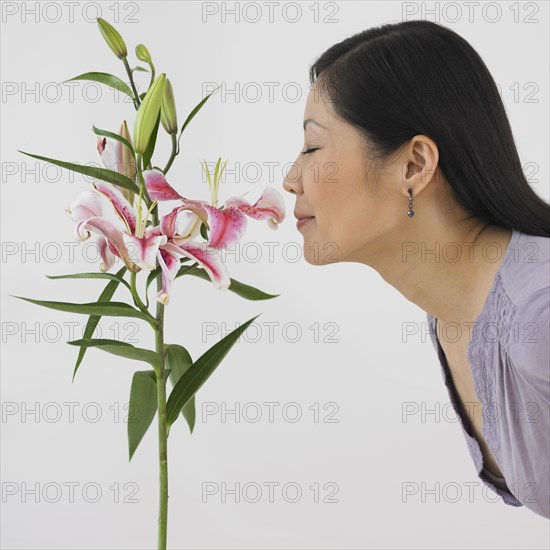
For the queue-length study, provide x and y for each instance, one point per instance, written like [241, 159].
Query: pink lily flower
[225, 226]
[122, 240]
[168, 241]
[138, 245]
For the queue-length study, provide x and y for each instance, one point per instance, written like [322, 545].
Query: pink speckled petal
[170, 265]
[158, 188]
[151, 230]
[143, 250]
[226, 226]
[269, 206]
[122, 207]
[207, 258]
[105, 228]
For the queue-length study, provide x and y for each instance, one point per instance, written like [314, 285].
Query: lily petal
[110, 152]
[144, 249]
[198, 208]
[86, 205]
[151, 231]
[122, 207]
[158, 188]
[168, 222]
[269, 206]
[116, 156]
[208, 258]
[108, 258]
[106, 229]
[170, 265]
[226, 226]
[190, 228]
[113, 249]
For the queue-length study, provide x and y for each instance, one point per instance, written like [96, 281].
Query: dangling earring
[410, 213]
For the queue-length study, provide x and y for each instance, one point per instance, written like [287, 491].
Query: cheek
[341, 203]
[324, 184]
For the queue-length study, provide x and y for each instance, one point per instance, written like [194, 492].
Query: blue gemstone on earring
[410, 213]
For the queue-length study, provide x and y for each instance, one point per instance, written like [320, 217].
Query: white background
[369, 370]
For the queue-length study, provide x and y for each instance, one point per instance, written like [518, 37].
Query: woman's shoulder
[526, 280]
[525, 271]
[529, 343]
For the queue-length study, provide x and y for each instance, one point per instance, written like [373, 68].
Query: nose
[293, 179]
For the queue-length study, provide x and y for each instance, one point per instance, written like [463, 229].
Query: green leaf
[113, 309]
[199, 372]
[112, 135]
[143, 407]
[241, 289]
[93, 275]
[93, 171]
[107, 79]
[179, 360]
[122, 349]
[140, 68]
[244, 291]
[150, 149]
[93, 320]
[97, 275]
[192, 114]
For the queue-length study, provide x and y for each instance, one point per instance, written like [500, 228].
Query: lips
[300, 216]
[302, 221]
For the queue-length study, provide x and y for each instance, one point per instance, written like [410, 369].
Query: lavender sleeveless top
[509, 355]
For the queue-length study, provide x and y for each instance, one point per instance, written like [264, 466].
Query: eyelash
[308, 151]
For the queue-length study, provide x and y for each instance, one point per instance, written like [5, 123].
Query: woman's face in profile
[333, 184]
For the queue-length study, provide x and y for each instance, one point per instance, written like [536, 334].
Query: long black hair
[398, 80]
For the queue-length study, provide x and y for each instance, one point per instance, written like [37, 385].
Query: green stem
[174, 153]
[163, 447]
[137, 101]
[152, 74]
[162, 424]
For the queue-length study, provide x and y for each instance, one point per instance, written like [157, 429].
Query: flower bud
[147, 114]
[142, 53]
[113, 38]
[168, 116]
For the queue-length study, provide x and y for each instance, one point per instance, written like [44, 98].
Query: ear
[420, 164]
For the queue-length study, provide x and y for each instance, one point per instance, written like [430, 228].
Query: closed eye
[308, 151]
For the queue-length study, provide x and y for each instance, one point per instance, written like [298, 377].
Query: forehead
[317, 105]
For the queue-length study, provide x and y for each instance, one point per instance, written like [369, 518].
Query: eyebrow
[308, 120]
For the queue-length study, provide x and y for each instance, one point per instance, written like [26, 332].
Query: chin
[321, 253]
